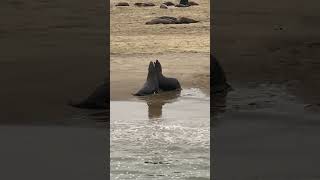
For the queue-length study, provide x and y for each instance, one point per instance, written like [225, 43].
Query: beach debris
[171, 20]
[163, 6]
[168, 3]
[147, 4]
[122, 4]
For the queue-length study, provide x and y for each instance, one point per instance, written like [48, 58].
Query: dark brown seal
[219, 80]
[97, 100]
[148, 4]
[168, 3]
[165, 83]
[151, 85]
[122, 4]
[171, 20]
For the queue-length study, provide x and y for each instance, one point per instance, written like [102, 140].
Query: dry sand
[183, 49]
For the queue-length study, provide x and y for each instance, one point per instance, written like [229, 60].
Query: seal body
[219, 80]
[122, 4]
[171, 20]
[97, 100]
[168, 3]
[165, 83]
[151, 85]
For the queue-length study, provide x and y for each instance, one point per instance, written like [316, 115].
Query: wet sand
[270, 51]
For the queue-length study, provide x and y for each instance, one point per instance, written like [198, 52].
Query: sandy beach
[166, 133]
[183, 49]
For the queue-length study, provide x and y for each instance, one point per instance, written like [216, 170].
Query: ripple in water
[161, 138]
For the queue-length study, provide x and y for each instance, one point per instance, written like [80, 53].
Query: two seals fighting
[151, 85]
[156, 81]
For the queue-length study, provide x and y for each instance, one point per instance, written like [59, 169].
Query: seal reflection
[157, 101]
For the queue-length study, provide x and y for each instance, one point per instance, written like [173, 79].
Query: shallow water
[162, 136]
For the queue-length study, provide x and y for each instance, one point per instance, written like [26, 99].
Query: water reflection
[157, 101]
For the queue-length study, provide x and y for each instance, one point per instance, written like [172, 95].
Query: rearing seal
[165, 83]
[151, 85]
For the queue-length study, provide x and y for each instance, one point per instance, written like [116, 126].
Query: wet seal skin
[151, 86]
[165, 83]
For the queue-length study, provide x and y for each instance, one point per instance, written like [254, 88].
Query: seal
[171, 20]
[148, 4]
[122, 4]
[97, 100]
[219, 80]
[168, 3]
[151, 85]
[166, 84]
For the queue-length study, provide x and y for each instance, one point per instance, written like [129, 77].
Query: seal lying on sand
[166, 84]
[151, 85]
[122, 4]
[219, 81]
[148, 4]
[97, 100]
[171, 20]
[168, 3]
